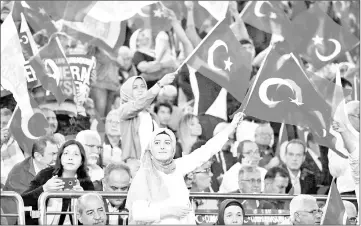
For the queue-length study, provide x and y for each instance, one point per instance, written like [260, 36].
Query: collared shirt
[113, 219]
[315, 158]
[295, 180]
[36, 168]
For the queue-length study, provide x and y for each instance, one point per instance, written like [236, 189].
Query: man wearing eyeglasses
[91, 142]
[305, 211]
[117, 178]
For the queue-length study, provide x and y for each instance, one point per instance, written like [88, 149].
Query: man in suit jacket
[44, 153]
[303, 180]
[117, 178]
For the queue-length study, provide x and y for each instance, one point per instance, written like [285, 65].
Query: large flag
[335, 212]
[323, 40]
[282, 92]
[221, 58]
[46, 69]
[116, 10]
[217, 9]
[12, 66]
[269, 17]
[26, 131]
[107, 35]
[36, 15]
[66, 10]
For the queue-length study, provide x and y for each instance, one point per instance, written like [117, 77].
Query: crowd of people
[140, 135]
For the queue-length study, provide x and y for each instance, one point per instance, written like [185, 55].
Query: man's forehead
[250, 146]
[119, 177]
[91, 140]
[309, 205]
[92, 203]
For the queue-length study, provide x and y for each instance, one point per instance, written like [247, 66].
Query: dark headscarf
[226, 203]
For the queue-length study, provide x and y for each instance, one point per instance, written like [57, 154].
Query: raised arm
[201, 155]
[191, 28]
[131, 109]
[238, 27]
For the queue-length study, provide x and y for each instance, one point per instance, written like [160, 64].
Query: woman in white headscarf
[158, 194]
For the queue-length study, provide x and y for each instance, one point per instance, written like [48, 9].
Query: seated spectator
[264, 136]
[112, 151]
[137, 123]
[351, 212]
[230, 212]
[117, 178]
[276, 181]
[11, 153]
[189, 131]
[127, 68]
[303, 180]
[51, 117]
[316, 162]
[305, 211]
[249, 182]
[248, 154]
[70, 163]
[134, 165]
[163, 110]
[92, 144]
[91, 210]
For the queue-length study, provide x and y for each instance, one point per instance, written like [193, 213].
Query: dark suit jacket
[18, 180]
[323, 178]
[31, 195]
[99, 187]
[307, 181]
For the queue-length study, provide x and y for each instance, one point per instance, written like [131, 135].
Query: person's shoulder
[21, 165]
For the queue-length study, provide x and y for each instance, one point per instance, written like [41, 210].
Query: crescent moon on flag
[25, 127]
[211, 50]
[334, 54]
[264, 87]
[24, 4]
[141, 13]
[25, 37]
[258, 6]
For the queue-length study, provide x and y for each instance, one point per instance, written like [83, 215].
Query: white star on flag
[42, 11]
[273, 15]
[317, 40]
[158, 13]
[228, 64]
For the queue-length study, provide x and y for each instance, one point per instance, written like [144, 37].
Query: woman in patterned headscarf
[158, 194]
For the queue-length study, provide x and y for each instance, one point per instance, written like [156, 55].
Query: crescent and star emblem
[257, 10]
[319, 40]
[24, 39]
[210, 59]
[279, 81]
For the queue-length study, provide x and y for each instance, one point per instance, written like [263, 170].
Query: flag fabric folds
[46, 69]
[323, 40]
[283, 93]
[217, 9]
[335, 212]
[221, 58]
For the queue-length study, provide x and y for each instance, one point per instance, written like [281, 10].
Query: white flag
[217, 9]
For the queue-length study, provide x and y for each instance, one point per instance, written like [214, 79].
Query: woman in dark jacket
[230, 212]
[70, 163]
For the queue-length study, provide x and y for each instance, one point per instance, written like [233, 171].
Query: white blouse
[145, 211]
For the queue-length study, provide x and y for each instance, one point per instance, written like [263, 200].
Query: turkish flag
[27, 129]
[46, 69]
[221, 58]
[323, 40]
[269, 17]
[282, 92]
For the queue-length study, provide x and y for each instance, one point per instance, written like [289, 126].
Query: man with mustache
[51, 118]
[90, 209]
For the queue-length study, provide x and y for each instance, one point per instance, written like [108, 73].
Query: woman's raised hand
[167, 79]
[237, 119]
[54, 184]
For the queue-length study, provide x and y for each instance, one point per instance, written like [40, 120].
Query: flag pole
[12, 116]
[195, 49]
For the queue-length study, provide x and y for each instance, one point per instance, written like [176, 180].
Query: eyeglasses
[98, 147]
[117, 122]
[253, 181]
[208, 170]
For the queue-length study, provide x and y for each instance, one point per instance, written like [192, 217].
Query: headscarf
[126, 92]
[147, 183]
[133, 44]
[226, 203]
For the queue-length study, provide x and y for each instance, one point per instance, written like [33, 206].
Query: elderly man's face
[112, 125]
[250, 182]
[93, 212]
[118, 181]
[263, 135]
[6, 8]
[92, 148]
[308, 214]
[295, 156]
[53, 122]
